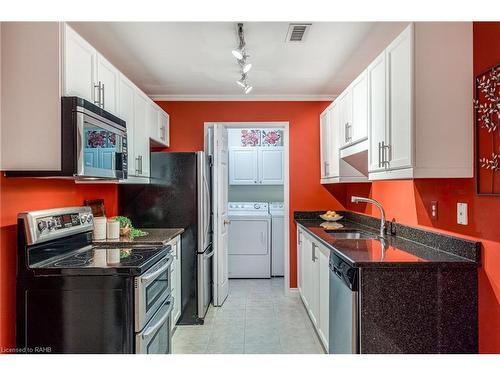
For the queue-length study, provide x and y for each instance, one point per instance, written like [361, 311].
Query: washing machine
[249, 249]
[277, 212]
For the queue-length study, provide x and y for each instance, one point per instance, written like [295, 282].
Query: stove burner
[131, 259]
[84, 256]
[70, 262]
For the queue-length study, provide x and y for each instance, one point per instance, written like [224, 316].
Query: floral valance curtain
[258, 137]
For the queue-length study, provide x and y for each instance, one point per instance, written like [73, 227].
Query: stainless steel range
[74, 297]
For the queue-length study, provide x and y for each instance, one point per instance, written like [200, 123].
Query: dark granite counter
[417, 289]
[416, 248]
[155, 237]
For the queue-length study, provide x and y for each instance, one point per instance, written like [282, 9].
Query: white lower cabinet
[175, 280]
[314, 282]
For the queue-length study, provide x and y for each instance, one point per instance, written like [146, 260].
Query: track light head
[248, 89]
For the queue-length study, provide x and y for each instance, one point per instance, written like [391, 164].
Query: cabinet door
[306, 271]
[399, 57]
[164, 128]
[359, 90]
[79, 76]
[271, 166]
[334, 122]
[345, 112]
[314, 285]
[109, 77]
[141, 135]
[126, 113]
[377, 106]
[300, 264]
[176, 280]
[324, 294]
[325, 139]
[243, 167]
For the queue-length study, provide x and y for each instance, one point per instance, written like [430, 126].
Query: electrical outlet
[434, 210]
[462, 214]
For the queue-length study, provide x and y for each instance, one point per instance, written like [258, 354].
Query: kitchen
[437, 233]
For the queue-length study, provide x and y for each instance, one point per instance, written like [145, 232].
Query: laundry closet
[256, 208]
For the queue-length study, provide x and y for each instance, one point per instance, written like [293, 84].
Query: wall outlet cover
[462, 216]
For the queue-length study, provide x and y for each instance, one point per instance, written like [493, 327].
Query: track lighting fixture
[241, 55]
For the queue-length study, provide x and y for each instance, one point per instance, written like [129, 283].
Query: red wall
[186, 133]
[17, 195]
[409, 202]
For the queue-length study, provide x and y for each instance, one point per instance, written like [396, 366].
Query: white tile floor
[257, 317]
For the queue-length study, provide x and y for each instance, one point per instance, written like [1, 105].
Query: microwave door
[99, 145]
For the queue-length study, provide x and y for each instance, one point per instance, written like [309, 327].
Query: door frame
[285, 125]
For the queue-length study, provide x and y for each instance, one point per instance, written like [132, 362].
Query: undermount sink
[352, 235]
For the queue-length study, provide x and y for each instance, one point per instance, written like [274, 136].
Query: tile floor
[256, 318]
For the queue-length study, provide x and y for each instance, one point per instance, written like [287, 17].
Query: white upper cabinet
[420, 114]
[344, 105]
[163, 128]
[271, 166]
[243, 166]
[140, 162]
[126, 112]
[79, 67]
[377, 104]
[359, 91]
[160, 125]
[326, 146]
[399, 64]
[333, 168]
[256, 165]
[108, 78]
[67, 65]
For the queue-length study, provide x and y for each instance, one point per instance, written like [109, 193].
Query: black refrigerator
[179, 196]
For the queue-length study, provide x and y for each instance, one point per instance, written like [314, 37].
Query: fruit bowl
[331, 218]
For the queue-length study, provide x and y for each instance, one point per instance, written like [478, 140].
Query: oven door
[101, 147]
[155, 338]
[151, 290]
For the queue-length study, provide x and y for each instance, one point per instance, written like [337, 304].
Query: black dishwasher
[344, 311]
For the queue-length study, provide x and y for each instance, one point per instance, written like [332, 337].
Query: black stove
[77, 297]
[97, 259]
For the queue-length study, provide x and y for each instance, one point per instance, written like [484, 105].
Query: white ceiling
[176, 60]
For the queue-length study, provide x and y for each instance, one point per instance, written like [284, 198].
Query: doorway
[250, 174]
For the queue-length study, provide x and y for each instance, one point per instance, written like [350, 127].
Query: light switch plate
[462, 214]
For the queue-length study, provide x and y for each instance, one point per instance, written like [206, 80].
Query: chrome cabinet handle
[98, 87]
[379, 155]
[345, 132]
[102, 98]
[300, 238]
[227, 222]
[314, 257]
[162, 134]
[140, 164]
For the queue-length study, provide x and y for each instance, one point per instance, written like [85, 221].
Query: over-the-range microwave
[93, 143]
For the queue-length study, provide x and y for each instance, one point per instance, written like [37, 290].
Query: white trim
[286, 187]
[223, 98]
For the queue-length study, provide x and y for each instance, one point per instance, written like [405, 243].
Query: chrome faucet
[375, 203]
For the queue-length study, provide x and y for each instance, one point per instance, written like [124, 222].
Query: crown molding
[255, 98]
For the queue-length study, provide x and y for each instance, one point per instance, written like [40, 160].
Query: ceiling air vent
[297, 32]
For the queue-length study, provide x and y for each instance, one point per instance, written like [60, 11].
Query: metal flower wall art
[487, 108]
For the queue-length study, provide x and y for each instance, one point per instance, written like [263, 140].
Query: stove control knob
[89, 218]
[83, 219]
[42, 225]
[51, 224]
[256, 206]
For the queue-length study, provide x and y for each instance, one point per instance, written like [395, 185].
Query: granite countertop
[434, 248]
[155, 237]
